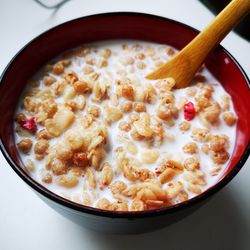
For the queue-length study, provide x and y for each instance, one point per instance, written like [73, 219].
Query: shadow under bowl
[112, 26]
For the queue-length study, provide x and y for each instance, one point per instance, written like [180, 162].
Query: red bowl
[120, 26]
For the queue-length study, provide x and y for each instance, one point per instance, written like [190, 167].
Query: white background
[28, 223]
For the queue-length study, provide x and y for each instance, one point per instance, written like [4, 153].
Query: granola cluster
[91, 128]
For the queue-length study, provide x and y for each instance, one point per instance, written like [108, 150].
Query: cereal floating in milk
[91, 128]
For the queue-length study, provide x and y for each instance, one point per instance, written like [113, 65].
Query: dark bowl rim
[123, 214]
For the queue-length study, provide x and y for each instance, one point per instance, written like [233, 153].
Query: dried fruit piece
[189, 111]
[28, 124]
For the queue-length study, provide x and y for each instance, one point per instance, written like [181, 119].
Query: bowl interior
[118, 26]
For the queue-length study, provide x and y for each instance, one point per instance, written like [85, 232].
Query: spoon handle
[212, 35]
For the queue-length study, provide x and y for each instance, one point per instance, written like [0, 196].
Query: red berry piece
[29, 124]
[189, 111]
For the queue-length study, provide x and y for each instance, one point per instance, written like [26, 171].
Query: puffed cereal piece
[167, 97]
[225, 102]
[87, 120]
[70, 93]
[124, 126]
[58, 68]
[165, 84]
[117, 187]
[139, 107]
[76, 170]
[43, 134]
[71, 77]
[205, 148]
[194, 188]
[127, 60]
[81, 102]
[200, 135]
[102, 63]
[219, 143]
[155, 189]
[182, 196]
[212, 113]
[143, 129]
[113, 114]
[191, 91]
[71, 105]
[207, 91]
[67, 181]
[131, 148]
[60, 122]
[164, 112]
[145, 174]
[19, 117]
[134, 117]
[149, 156]
[47, 178]
[129, 172]
[170, 52]
[195, 177]
[190, 148]
[137, 205]
[29, 165]
[25, 145]
[81, 87]
[220, 157]
[130, 191]
[81, 159]
[184, 126]
[86, 199]
[100, 90]
[191, 164]
[120, 205]
[214, 171]
[106, 53]
[41, 148]
[201, 103]
[146, 194]
[73, 139]
[173, 189]
[106, 175]
[103, 204]
[229, 118]
[96, 157]
[175, 165]
[126, 107]
[49, 80]
[90, 177]
[94, 111]
[167, 175]
[96, 141]
[58, 167]
[141, 65]
[149, 94]
[88, 69]
[127, 91]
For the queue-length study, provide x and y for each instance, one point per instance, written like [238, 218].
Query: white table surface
[28, 223]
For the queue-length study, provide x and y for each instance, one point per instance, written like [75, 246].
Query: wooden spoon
[186, 63]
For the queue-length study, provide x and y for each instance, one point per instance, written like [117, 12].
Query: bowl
[107, 27]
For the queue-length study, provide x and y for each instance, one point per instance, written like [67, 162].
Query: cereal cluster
[91, 128]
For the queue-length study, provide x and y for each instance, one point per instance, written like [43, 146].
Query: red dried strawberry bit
[189, 111]
[29, 124]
